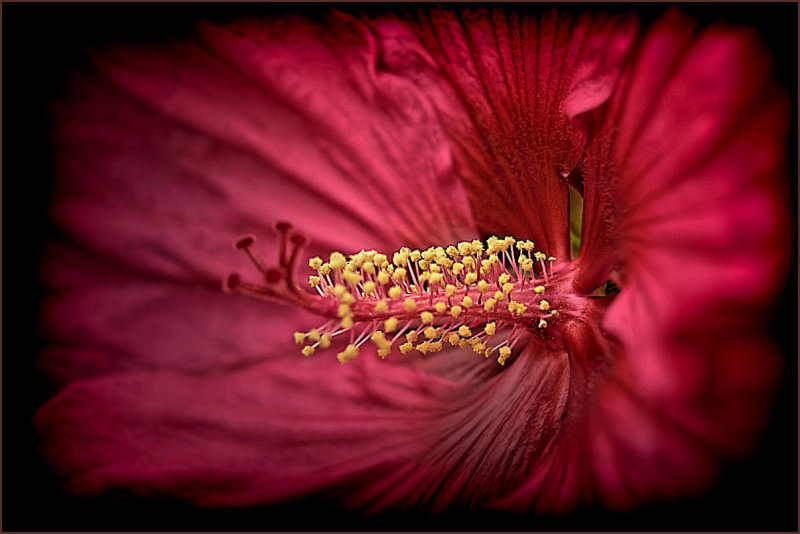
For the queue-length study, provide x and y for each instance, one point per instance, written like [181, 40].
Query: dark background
[43, 42]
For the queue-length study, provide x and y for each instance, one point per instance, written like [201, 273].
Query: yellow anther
[539, 290]
[313, 334]
[348, 298]
[542, 323]
[470, 278]
[453, 338]
[379, 259]
[412, 337]
[488, 352]
[400, 259]
[395, 292]
[431, 332]
[315, 262]
[390, 325]
[440, 307]
[455, 312]
[339, 290]
[405, 348]
[369, 287]
[490, 328]
[383, 352]
[467, 301]
[512, 306]
[521, 309]
[425, 317]
[338, 261]
[379, 339]
[508, 287]
[449, 290]
[368, 267]
[349, 353]
[399, 274]
[469, 262]
[424, 347]
[489, 304]
[313, 281]
[435, 268]
[351, 277]
[299, 337]
[478, 347]
[464, 331]
[325, 270]
[357, 260]
[347, 322]
[554, 313]
[383, 277]
[326, 341]
[435, 346]
[457, 268]
[415, 255]
[464, 248]
[509, 241]
[424, 277]
[451, 251]
[381, 306]
[463, 343]
[428, 254]
[544, 305]
[424, 264]
[505, 351]
[483, 287]
[503, 278]
[409, 305]
[499, 295]
[436, 279]
[308, 350]
[539, 256]
[477, 246]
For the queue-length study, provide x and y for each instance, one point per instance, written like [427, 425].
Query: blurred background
[43, 42]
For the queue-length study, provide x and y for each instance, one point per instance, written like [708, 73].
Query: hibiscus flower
[663, 148]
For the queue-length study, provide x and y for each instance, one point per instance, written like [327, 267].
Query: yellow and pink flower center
[470, 294]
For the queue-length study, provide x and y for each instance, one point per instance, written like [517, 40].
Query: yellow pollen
[470, 278]
[426, 317]
[399, 274]
[489, 304]
[440, 307]
[337, 261]
[349, 353]
[325, 342]
[390, 325]
[348, 298]
[542, 323]
[457, 268]
[503, 278]
[344, 310]
[512, 306]
[483, 287]
[383, 277]
[381, 306]
[490, 328]
[369, 287]
[544, 305]
[313, 281]
[325, 270]
[411, 337]
[415, 255]
[308, 350]
[449, 290]
[405, 348]
[539, 290]
[436, 279]
[351, 277]
[339, 290]
[508, 288]
[313, 334]
[499, 295]
[368, 267]
[299, 337]
[395, 292]
[467, 301]
[455, 312]
[453, 338]
[315, 263]
[379, 259]
[347, 322]
[383, 352]
[409, 305]
[430, 332]
[464, 331]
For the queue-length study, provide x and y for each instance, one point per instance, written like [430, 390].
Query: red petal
[505, 87]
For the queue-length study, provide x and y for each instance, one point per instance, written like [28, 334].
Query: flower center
[487, 297]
